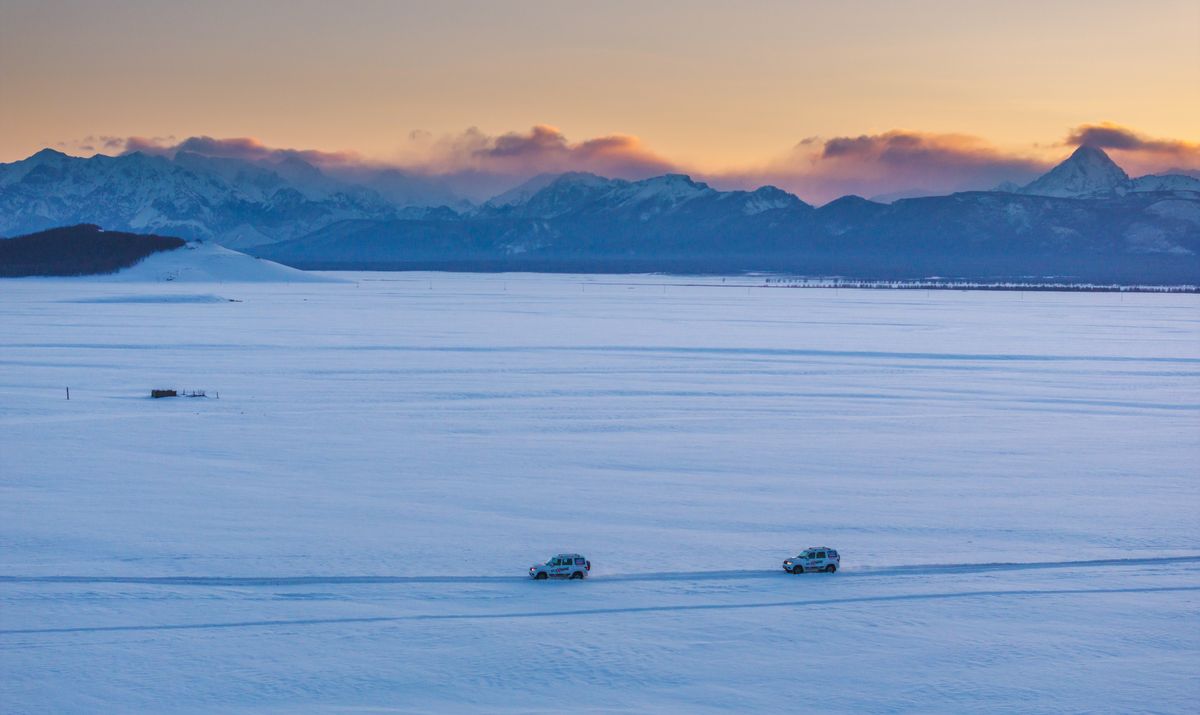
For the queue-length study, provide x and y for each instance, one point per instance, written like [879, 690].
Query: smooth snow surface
[1010, 479]
[153, 298]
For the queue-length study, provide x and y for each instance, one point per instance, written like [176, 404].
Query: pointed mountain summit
[47, 155]
[550, 195]
[1087, 172]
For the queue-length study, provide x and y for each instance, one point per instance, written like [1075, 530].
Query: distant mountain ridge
[235, 202]
[591, 194]
[1083, 219]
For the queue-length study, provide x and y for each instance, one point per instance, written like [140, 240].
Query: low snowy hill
[200, 262]
[89, 252]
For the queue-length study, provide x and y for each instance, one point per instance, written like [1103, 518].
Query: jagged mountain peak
[47, 154]
[1088, 171]
[850, 200]
[525, 192]
[673, 183]
[674, 180]
[550, 195]
[138, 158]
[767, 198]
[580, 179]
[668, 189]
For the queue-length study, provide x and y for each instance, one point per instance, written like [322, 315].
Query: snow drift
[200, 262]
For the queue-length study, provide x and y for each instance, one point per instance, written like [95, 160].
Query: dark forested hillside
[78, 251]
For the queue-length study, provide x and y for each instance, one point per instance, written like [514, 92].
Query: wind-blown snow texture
[199, 262]
[1009, 478]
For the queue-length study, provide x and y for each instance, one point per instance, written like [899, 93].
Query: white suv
[561, 566]
[818, 558]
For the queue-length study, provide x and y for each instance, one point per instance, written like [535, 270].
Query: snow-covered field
[1011, 479]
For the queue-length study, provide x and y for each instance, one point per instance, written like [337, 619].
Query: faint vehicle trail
[602, 611]
[915, 569]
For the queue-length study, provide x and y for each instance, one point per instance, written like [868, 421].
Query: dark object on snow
[82, 250]
[163, 393]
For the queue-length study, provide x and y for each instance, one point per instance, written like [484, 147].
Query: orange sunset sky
[821, 98]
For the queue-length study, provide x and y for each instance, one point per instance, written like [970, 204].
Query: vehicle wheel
[797, 570]
[577, 574]
[541, 577]
[830, 568]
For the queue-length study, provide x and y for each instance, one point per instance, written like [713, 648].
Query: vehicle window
[833, 554]
[820, 555]
[579, 562]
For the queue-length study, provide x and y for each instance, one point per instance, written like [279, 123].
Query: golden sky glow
[712, 86]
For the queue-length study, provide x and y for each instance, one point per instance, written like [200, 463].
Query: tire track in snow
[915, 569]
[258, 580]
[631, 349]
[602, 611]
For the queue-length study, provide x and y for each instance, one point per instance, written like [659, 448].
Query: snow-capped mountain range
[1086, 216]
[549, 196]
[1084, 219]
[235, 202]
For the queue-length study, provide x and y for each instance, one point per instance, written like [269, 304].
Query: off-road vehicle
[561, 566]
[817, 558]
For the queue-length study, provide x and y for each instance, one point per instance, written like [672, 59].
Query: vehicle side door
[560, 568]
[818, 561]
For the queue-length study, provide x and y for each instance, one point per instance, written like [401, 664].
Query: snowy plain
[1011, 480]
